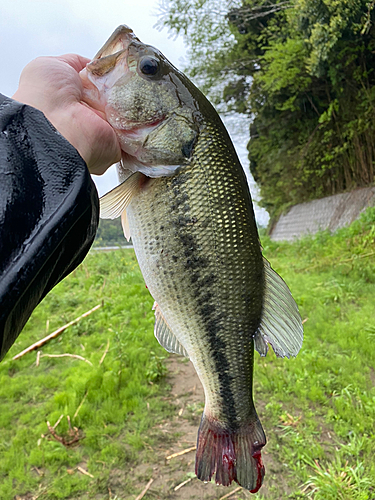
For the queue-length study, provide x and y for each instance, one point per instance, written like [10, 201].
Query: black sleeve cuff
[49, 213]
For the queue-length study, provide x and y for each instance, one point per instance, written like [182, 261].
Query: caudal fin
[232, 455]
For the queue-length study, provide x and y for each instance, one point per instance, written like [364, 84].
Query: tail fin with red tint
[234, 455]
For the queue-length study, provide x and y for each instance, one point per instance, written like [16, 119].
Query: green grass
[318, 410]
[120, 398]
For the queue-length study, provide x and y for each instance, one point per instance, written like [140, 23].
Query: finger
[76, 61]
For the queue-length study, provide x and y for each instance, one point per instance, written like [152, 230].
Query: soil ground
[180, 434]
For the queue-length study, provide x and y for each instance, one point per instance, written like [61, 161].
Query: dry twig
[80, 404]
[83, 471]
[65, 355]
[231, 493]
[182, 484]
[181, 453]
[143, 493]
[55, 334]
[104, 354]
[58, 421]
[74, 434]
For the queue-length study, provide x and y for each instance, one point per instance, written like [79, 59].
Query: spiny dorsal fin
[115, 202]
[281, 324]
[164, 334]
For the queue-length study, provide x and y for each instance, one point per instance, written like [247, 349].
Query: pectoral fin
[281, 324]
[113, 204]
[164, 334]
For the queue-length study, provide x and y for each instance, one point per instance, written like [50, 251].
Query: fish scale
[210, 239]
[185, 201]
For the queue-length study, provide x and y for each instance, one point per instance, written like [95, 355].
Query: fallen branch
[65, 355]
[231, 493]
[74, 433]
[143, 493]
[55, 334]
[182, 484]
[181, 453]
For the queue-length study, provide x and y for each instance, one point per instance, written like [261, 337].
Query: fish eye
[149, 66]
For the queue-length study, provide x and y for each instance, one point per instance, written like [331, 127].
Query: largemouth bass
[185, 201]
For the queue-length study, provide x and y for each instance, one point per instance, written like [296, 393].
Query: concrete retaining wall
[330, 213]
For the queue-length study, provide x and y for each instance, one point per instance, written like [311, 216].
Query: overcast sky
[31, 28]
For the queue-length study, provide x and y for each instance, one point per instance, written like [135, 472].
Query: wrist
[63, 121]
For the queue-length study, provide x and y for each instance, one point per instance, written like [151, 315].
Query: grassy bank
[318, 410]
[112, 400]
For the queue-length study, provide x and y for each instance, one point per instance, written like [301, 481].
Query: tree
[304, 71]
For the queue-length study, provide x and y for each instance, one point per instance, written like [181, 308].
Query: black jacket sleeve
[48, 213]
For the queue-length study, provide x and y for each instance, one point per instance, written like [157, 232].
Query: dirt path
[181, 434]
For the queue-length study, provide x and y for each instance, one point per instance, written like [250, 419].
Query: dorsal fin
[281, 324]
[164, 334]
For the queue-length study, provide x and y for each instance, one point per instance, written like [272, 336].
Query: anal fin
[165, 336]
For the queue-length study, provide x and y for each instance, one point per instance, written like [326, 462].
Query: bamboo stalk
[54, 334]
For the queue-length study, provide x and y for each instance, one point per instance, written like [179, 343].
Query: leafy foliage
[304, 70]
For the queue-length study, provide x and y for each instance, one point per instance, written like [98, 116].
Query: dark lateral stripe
[201, 281]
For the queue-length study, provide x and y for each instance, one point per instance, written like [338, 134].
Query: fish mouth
[120, 40]
[139, 129]
[113, 52]
[109, 64]
[115, 49]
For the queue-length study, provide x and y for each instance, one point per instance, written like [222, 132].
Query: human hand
[53, 85]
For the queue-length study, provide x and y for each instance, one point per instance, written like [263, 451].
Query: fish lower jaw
[131, 162]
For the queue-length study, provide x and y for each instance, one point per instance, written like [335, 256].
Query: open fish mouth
[119, 41]
[107, 66]
[143, 98]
